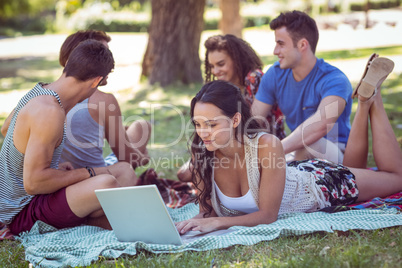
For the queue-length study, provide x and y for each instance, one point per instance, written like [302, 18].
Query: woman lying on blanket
[232, 59]
[242, 175]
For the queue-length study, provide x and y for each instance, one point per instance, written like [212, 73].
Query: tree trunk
[172, 53]
[231, 21]
[366, 14]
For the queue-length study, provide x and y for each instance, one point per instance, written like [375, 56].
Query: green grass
[339, 249]
[378, 248]
[22, 73]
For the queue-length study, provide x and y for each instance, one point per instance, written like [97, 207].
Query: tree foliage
[13, 8]
[9, 8]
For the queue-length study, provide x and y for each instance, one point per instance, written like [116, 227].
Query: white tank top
[245, 203]
[301, 193]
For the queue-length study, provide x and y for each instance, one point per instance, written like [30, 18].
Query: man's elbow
[323, 129]
[30, 188]
[327, 127]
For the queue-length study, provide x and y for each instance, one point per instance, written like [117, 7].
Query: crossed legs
[387, 154]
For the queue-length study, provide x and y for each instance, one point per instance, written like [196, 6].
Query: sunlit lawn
[378, 248]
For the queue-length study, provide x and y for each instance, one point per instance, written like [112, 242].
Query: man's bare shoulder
[43, 107]
[41, 119]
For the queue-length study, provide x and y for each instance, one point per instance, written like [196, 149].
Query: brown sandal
[377, 70]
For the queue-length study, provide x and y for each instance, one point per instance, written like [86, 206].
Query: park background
[32, 31]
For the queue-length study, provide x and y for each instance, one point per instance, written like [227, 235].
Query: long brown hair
[244, 57]
[229, 99]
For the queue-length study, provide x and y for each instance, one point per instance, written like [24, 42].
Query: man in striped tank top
[32, 184]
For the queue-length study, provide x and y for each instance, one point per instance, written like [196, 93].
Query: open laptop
[138, 213]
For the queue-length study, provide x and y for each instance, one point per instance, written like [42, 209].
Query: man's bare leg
[100, 221]
[83, 202]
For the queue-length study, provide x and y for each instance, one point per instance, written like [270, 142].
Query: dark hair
[229, 99]
[244, 57]
[299, 25]
[74, 39]
[88, 60]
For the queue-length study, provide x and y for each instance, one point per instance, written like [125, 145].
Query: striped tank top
[13, 197]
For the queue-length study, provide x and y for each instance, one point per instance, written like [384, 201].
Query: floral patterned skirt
[336, 181]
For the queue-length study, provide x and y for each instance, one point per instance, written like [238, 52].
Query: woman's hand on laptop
[198, 224]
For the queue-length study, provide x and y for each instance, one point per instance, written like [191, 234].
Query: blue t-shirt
[299, 100]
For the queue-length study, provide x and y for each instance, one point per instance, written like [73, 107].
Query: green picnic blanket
[46, 246]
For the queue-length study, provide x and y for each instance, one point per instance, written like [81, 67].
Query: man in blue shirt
[314, 96]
